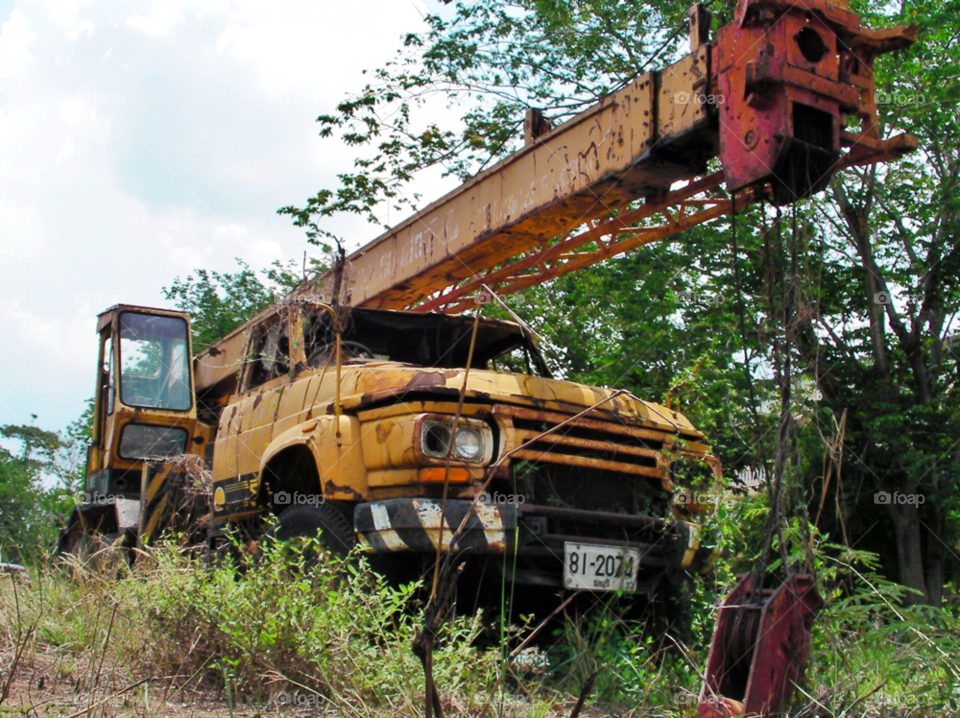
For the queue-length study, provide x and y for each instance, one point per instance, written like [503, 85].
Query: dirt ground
[43, 688]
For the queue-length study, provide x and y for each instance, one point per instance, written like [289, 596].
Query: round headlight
[468, 444]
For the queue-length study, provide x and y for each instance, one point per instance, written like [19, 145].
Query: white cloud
[21, 229]
[15, 40]
[47, 338]
[163, 17]
[50, 353]
[64, 16]
[141, 140]
[299, 52]
[81, 27]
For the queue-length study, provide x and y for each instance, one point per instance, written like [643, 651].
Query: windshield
[154, 362]
[428, 340]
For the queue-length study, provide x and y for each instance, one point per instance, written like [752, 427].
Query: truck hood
[374, 383]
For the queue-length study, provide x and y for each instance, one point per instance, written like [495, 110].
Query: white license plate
[600, 568]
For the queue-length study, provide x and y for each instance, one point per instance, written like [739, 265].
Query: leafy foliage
[337, 631]
[338, 637]
[37, 485]
[880, 294]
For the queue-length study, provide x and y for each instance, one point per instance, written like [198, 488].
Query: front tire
[298, 525]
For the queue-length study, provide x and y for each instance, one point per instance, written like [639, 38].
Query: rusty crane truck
[363, 408]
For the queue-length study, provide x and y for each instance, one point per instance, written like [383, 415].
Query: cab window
[154, 362]
[269, 352]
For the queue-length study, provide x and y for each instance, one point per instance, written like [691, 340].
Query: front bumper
[416, 525]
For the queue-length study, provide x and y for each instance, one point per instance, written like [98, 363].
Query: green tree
[27, 524]
[70, 462]
[883, 297]
[696, 319]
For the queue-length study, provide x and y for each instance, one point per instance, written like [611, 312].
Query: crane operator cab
[144, 410]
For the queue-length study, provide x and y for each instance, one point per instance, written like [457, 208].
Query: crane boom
[622, 148]
[771, 98]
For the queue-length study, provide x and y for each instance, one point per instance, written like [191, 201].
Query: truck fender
[337, 455]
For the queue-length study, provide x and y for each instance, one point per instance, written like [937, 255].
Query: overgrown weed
[105, 640]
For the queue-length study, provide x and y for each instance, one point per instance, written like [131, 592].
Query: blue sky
[141, 140]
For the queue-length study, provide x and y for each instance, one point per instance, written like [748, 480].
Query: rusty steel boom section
[771, 98]
[782, 98]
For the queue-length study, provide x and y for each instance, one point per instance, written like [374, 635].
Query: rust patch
[384, 428]
[329, 487]
[257, 399]
[428, 378]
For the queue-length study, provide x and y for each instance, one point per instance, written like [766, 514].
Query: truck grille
[588, 464]
[588, 443]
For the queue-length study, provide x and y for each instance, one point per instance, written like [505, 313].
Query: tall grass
[173, 636]
[332, 635]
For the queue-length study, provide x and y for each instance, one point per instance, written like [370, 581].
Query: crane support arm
[771, 98]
